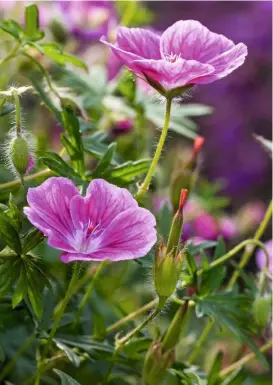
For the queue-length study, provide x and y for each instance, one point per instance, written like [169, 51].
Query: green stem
[17, 112]
[17, 182]
[248, 253]
[200, 341]
[233, 252]
[145, 186]
[131, 316]
[152, 315]
[11, 55]
[121, 342]
[89, 291]
[58, 317]
[10, 365]
[244, 360]
[45, 73]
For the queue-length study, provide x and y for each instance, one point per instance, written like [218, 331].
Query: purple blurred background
[242, 101]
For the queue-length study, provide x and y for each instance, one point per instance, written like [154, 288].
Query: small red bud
[182, 201]
[197, 146]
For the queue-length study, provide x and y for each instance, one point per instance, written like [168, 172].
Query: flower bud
[176, 228]
[166, 271]
[19, 154]
[156, 363]
[261, 311]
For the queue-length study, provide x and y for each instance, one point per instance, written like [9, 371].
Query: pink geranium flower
[187, 53]
[105, 224]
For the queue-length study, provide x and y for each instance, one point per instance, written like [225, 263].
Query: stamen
[172, 58]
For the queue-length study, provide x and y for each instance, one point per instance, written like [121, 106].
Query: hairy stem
[248, 253]
[145, 186]
[131, 316]
[17, 112]
[11, 55]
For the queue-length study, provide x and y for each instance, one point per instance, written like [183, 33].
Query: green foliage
[65, 378]
[55, 163]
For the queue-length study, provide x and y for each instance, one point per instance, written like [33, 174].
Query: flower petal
[174, 75]
[226, 63]
[189, 39]
[135, 44]
[49, 206]
[140, 42]
[130, 235]
[105, 201]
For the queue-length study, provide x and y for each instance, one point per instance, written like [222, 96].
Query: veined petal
[227, 62]
[140, 42]
[105, 201]
[174, 75]
[50, 202]
[189, 39]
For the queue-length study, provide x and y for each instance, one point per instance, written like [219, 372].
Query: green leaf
[65, 378]
[60, 167]
[139, 345]
[232, 311]
[21, 288]
[32, 23]
[72, 127]
[94, 146]
[14, 214]
[46, 100]
[190, 262]
[35, 296]
[62, 58]
[220, 248]
[195, 250]
[105, 160]
[9, 234]
[213, 375]
[12, 28]
[32, 239]
[127, 172]
[69, 353]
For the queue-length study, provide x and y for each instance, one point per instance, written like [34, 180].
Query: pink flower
[261, 257]
[187, 53]
[105, 224]
[205, 227]
[228, 228]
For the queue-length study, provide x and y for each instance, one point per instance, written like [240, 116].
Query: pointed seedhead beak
[198, 145]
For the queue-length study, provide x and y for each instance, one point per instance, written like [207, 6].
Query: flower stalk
[145, 185]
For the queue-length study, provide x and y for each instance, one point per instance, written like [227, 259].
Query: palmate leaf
[9, 234]
[95, 146]
[232, 311]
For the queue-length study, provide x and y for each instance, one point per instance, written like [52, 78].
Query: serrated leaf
[62, 58]
[69, 353]
[33, 238]
[14, 214]
[21, 288]
[60, 167]
[65, 378]
[32, 23]
[105, 160]
[9, 234]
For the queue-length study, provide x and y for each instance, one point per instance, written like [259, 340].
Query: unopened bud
[166, 271]
[176, 228]
[261, 311]
[156, 364]
[19, 154]
[198, 145]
